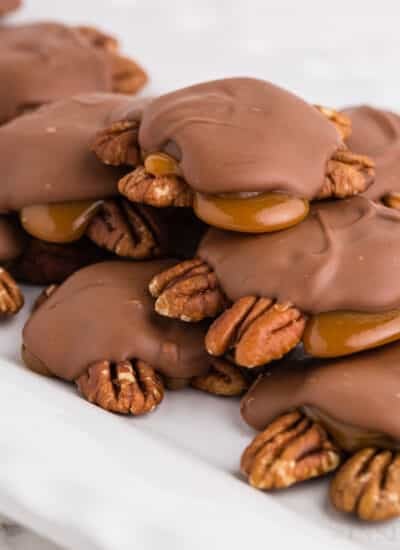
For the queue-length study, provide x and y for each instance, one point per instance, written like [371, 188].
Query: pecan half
[45, 263]
[368, 484]
[347, 174]
[158, 191]
[11, 298]
[255, 331]
[223, 379]
[291, 449]
[189, 291]
[127, 76]
[118, 144]
[125, 387]
[128, 230]
[340, 120]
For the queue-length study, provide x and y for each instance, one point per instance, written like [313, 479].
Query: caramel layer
[58, 223]
[261, 213]
[338, 333]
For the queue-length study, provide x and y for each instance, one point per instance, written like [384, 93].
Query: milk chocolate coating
[105, 312]
[361, 391]
[9, 5]
[242, 134]
[12, 239]
[376, 133]
[44, 62]
[342, 257]
[45, 155]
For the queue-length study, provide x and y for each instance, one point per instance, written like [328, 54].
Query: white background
[95, 481]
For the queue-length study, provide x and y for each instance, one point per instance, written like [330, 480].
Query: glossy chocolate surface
[105, 312]
[240, 135]
[341, 257]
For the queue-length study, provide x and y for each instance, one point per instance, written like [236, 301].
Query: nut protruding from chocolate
[223, 379]
[290, 450]
[158, 191]
[11, 298]
[368, 484]
[118, 144]
[128, 230]
[256, 331]
[347, 174]
[127, 76]
[340, 120]
[188, 291]
[126, 387]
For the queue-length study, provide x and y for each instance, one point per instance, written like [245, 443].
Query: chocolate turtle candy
[331, 282]
[99, 330]
[77, 60]
[247, 155]
[356, 399]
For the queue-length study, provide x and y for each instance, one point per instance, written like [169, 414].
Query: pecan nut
[127, 76]
[11, 298]
[347, 175]
[159, 191]
[188, 291]
[223, 379]
[255, 331]
[290, 450]
[128, 230]
[118, 144]
[125, 387]
[368, 484]
[340, 120]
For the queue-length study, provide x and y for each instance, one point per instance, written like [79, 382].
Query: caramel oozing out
[260, 213]
[161, 164]
[338, 333]
[60, 222]
[350, 438]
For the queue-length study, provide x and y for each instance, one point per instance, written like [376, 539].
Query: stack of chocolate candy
[228, 236]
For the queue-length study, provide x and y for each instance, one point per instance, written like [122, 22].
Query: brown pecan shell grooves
[368, 484]
[11, 298]
[256, 331]
[128, 230]
[188, 291]
[222, 379]
[126, 387]
[290, 450]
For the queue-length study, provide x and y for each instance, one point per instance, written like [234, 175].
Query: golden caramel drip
[350, 438]
[339, 333]
[161, 164]
[60, 222]
[260, 213]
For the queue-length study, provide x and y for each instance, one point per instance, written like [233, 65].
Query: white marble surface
[331, 53]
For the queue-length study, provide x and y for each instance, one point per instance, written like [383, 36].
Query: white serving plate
[94, 481]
